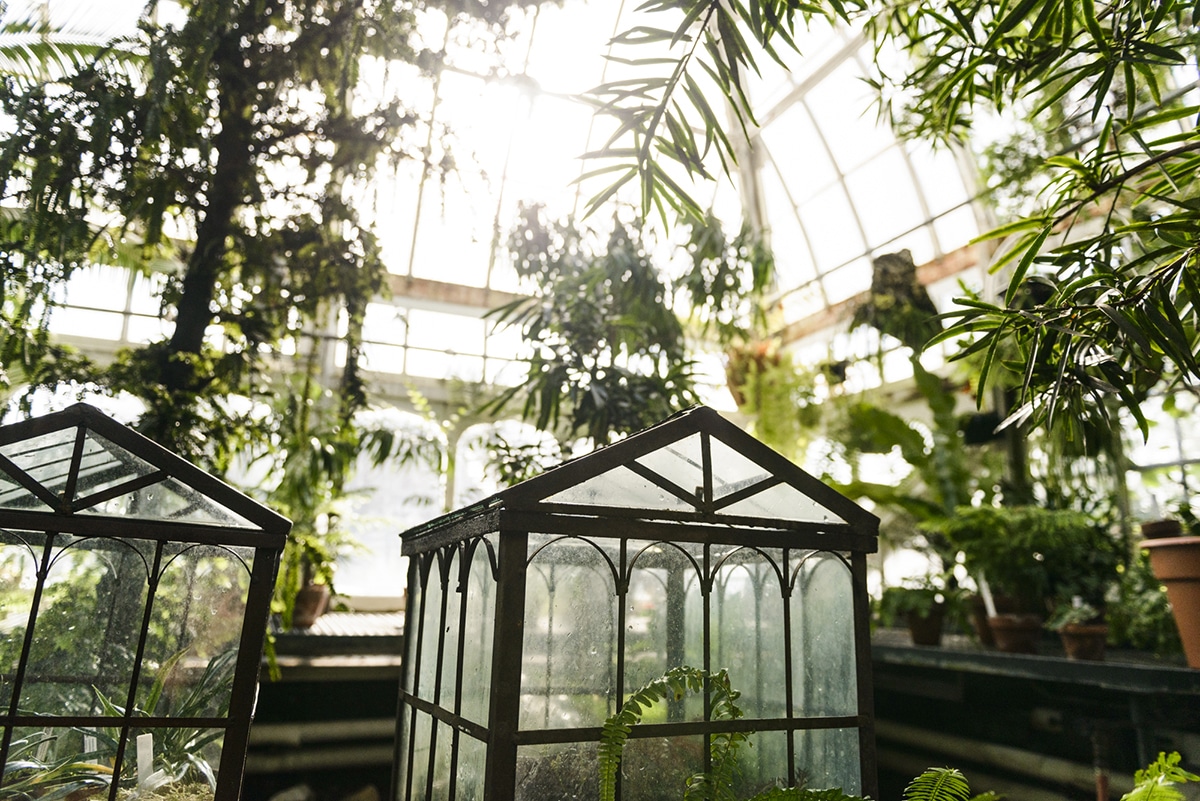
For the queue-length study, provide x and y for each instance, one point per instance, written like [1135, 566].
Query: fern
[1157, 782]
[938, 784]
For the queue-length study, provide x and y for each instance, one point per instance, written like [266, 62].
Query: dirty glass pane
[747, 610]
[570, 636]
[658, 634]
[762, 763]
[451, 631]
[442, 768]
[823, 662]
[419, 763]
[620, 488]
[657, 768]
[46, 458]
[680, 462]
[477, 638]
[14, 496]
[169, 500]
[472, 761]
[106, 465]
[87, 629]
[195, 627]
[783, 502]
[431, 625]
[172, 763]
[732, 471]
[19, 555]
[35, 754]
[559, 771]
[828, 758]
[413, 606]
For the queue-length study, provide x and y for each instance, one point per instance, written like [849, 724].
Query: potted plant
[1082, 629]
[1026, 555]
[1176, 563]
[923, 604]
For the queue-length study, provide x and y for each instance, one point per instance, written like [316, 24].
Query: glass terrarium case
[532, 615]
[134, 594]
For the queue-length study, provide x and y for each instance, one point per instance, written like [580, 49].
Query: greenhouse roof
[81, 463]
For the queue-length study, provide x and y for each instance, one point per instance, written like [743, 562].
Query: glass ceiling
[829, 186]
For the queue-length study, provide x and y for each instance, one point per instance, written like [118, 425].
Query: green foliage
[1157, 782]
[1035, 554]
[1140, 615]
[918, 597]
[609, 354]
[35, 770]
[728, 279]
[777, 393]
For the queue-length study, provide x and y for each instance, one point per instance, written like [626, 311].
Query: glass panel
[419, 773]
[747, 609]
[54, 761]
[658, 632]
[824, 670]
[195, 627]
[552, 772]
[169, 500]
[732, 471]
[657, 768]
[451, 631]
[106, 465]
[87, 629]
[570, 637]
[680, 462]
[828, 758]
[762, 763]
[14, 496]
[45, 458]
[782, 502]
[478, 631]
[19, 554]
[173, 763]
[622, 488]
[412, 611]
[472, 762]
[442, 769]
[431, 625]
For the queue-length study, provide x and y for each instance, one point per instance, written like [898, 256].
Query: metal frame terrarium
[134, 594]
[533, 614]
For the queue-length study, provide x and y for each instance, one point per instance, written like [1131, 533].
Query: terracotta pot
[1157, 529]
[1084, 640]
[1016, 634]
[311, 601]
[1176, 563]
[979, 616]
[927, 630]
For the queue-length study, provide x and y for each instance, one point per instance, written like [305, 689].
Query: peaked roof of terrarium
[79, 466]
[694, 468]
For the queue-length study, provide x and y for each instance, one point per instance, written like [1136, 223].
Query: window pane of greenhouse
[824, 670]
[828, 758]
[568, 770]
[478, 633]
[194, 632]
[784, 502]
[427, 637]
[15, 496]
[658, 633]
[654, 768]
[169, 500]
[762, 762]
[680, 462]
[732, 471]
[20, 552]
[472, 760]
[570, 622]
[621, 488]
[747, 609]
[86, 633]
[419, 757]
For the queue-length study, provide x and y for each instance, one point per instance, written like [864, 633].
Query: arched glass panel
[824, 670]
[569, 660]
[747, 609]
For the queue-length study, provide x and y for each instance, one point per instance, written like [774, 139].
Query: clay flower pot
[1016, 634]
[1176, 563]
[927, 629]
[311, 601]
[1084, 640]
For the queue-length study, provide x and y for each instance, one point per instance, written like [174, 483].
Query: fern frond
[938, 784]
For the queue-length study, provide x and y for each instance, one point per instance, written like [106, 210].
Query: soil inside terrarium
[169, 792]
